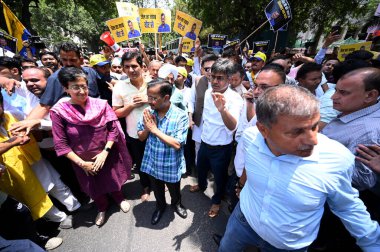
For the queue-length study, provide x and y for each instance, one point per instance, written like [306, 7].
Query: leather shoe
[156, 216]
[67, 222]
[180, 210]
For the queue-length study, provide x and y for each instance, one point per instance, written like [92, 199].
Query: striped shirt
[160, 160]
[359, 127]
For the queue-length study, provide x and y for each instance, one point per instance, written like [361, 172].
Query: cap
[189, 62]
[98, 60]
[182, 71]
[259, 56]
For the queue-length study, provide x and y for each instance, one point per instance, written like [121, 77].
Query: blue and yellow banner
[14, 27]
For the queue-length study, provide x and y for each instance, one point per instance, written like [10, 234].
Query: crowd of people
[292, 141]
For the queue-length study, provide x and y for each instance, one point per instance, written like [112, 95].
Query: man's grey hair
[224, 66]
[155, 62]
[285, 100]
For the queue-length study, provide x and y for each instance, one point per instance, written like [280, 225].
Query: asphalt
[133, 231]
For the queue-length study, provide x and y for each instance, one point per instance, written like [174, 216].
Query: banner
[188, 45]
[8, 43]
[154, 20]
[127, 10]
[231, 44]
[261, 46]
[344, 50]
[187, 25]
[278, 13]
[14, 28]
[123, 28]
[216, 41]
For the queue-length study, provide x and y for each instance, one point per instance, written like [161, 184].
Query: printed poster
[155, 20]
[8, 43]
[124, 28]
[261, 46]
[278, 13]
[216, 41]
[127, 10]
[344, 50]
[187, 25]
[231, 44]
[188, 45]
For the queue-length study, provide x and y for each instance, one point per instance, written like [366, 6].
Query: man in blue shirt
[132, 32]
[163, 27]
[290, 172]
[164, 126]
[191, 34]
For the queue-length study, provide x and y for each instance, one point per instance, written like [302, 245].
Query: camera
[35, 41]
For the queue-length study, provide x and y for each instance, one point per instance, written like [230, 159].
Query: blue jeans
[240, 235]
[216, 158]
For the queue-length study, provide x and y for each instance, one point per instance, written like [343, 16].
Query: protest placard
[231, 44]
[8, 43]
[347, 49]
[188, 45]
[216, 41]
[123, 28]
[261, 46]
[155, 20]
[278, 13]
[187, 25]
[127, 10]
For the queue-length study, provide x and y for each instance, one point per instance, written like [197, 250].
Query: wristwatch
[107, 149]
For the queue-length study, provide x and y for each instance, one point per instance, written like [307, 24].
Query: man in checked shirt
[165, 128]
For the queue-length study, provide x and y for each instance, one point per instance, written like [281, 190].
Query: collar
[360, 113]
[264, 149]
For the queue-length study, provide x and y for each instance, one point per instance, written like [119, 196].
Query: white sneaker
[125, 206]
[53, 243]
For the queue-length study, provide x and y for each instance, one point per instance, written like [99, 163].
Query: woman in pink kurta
[86, 130]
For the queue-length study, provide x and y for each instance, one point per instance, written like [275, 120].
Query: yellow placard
[344, 50]
[187, 25]
[155, 20]
[123, 28]
[188, 45]
[127, 9]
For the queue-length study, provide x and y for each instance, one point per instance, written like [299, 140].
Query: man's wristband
[108, 149]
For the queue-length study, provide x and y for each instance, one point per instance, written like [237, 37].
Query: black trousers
[159, 192]
[136, 149]
[16, 221]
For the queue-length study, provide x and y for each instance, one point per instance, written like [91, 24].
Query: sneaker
[53, 243]
[67, 223]
[125, 206]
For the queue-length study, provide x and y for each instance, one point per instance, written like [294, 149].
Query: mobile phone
[337, 29]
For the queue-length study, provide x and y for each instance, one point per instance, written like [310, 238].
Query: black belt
[215, 146]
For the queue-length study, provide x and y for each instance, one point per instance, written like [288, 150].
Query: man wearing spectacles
[196, 101]
[222, 107]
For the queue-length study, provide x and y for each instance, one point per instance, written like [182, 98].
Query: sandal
[214, 211]
[195, 188]
[100, 218]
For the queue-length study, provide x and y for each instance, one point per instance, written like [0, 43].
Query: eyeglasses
[218, 78]
[207, 69]
[77, 88]
[151, 98]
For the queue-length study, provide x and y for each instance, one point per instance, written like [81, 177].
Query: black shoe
[217, 238]
[180, 210]
[156, 216]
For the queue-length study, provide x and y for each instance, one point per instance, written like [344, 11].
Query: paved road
[132, 231]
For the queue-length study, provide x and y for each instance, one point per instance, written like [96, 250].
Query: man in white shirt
[291, 171]
[222, 107]
[129, 99]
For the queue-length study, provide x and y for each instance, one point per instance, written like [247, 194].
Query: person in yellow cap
[103, 67]
[180, 84]
[189, 69]
[258, 62]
